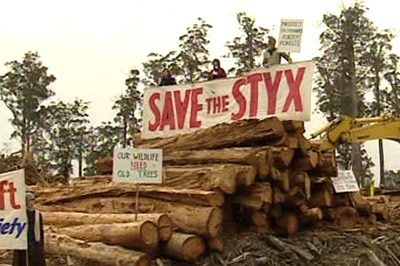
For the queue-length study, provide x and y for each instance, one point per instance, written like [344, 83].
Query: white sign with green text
[140, 166]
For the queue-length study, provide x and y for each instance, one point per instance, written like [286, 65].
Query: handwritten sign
[141, 166]
[290, 34]
[345, 182]
[13, 220]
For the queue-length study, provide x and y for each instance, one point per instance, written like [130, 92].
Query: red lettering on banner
[254, 79]
[154, 109]
[181, 107]
[240, 99]
[12, 191]
[294, 90]
[272, 90]
[217, 104]
[168, 115]
[196, 108]
[225, 103]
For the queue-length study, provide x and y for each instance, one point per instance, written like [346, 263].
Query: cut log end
[149, 234]
[215, 222]
[192, 248]
[164, 227]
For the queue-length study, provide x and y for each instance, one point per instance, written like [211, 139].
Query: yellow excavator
[345, 129]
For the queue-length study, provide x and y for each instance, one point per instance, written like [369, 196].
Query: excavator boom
[348, 130]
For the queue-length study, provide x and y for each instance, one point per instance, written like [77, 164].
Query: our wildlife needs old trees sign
[283, 91]
[13, 221]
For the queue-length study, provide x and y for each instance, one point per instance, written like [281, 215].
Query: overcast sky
[91, 45]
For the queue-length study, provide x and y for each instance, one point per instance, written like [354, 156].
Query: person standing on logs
[35, 255]
[217, 72]
[272, 56]
[167, 79]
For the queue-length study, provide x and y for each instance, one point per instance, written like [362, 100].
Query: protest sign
[13, 220]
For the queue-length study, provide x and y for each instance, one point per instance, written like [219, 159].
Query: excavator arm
[356, 130]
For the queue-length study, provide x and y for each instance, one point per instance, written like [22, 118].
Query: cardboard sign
[13, 220]
[140, 166]
[283, 91]
[290, 35]
[345, 182]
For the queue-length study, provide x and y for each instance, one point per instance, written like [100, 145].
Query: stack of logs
[257, 175]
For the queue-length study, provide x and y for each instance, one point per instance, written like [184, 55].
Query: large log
[95, 252]
[255, 156]
[321, 196]
[346, 217]
[282, 156]
[136, 235]
[326, 164]
[280, 176]
[255, 196]
[211, 177]
[184, 247]
[70, 193]
[238, 134]
[305, 162]
[301, 179]
[200, 220]
[65, 219]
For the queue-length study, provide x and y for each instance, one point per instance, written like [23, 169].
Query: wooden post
[137, 201]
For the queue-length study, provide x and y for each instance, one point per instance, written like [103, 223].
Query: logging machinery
[357, 130]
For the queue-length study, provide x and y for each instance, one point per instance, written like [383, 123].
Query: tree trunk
[65, 219]
[255, 197]
[95, 252]
[58, 195]
[137, 235]
[184, 247]
[206, 221]
[241, 133]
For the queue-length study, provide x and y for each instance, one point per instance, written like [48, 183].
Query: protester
[272, 56]
[217, 72]
[35, 255]
[167, 78]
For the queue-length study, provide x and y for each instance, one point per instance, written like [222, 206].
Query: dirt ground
[325, 245]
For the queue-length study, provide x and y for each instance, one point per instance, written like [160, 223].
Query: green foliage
[248, 46]
[63, 135]
[128, 107]
[391, 97]
[188, 64]
[23, 88]
[103, 139]
[194, 55]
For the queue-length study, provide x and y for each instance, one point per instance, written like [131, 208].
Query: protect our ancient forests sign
[290, 34]
[140, 166]
[283, 91]
[13, 221]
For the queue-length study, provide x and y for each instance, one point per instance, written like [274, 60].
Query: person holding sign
[217, 72]
[272, 56]
[35, 255]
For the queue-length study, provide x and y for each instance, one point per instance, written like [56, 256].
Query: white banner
[290, 34]
[13, 221]
[345, 182]
[283, 91]
[141, 166]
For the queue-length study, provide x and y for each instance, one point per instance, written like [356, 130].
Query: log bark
[212, 177]
[305, 162]
[288, 224]
[205, 221]
[311, 215]
[346, 217]
[216, 243]
[238, 134]
[293, 125]
[184, 247]
[381, 211]
[281, 177]
[282, 156]
[254, 156]
[137, 235]
[301, 179]
[95, 252]
[46, 196]
[255, 196]
[321, 196]
[65, 219]
[327, 164]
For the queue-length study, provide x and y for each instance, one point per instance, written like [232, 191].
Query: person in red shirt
[217, 72]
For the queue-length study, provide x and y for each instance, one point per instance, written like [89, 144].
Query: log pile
[250, 175]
